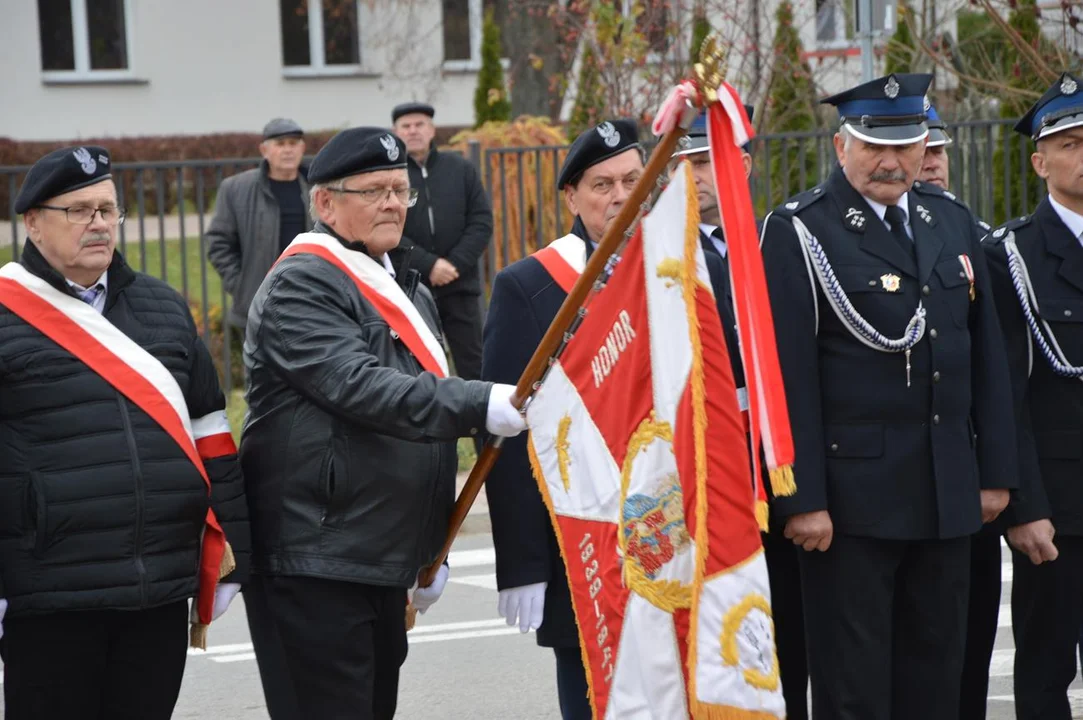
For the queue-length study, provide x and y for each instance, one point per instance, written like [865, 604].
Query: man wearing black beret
[118, 473]
[350, 443]
[601, 168]
[446, 232]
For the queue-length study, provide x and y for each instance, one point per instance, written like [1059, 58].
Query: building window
[837, 21]
[320, 37]
[84, 39]
[462, 26]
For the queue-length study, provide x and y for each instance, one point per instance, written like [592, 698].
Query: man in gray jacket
[348, 450]
[257, 214]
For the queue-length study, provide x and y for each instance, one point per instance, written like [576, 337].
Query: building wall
[206, 66]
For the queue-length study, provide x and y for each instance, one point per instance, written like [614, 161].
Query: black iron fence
[170, 205]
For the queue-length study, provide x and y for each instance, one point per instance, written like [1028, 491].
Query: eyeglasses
[82, 215]
[406, 196]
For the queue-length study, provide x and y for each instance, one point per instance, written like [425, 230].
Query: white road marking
[470, 558]
[487, 581]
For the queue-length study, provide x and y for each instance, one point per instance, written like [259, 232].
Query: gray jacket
[242, 241]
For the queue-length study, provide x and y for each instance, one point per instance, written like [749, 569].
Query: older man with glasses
[118, 473]
[349, 447]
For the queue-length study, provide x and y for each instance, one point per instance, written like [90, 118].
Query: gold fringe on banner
[782, 482]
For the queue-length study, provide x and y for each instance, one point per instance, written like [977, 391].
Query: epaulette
[997, 236]
[800, 201]
[925, 188]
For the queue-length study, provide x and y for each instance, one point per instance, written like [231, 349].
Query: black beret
[355, 151]
[607, 140]
[411, 108]
[281, 127]
[62, 171]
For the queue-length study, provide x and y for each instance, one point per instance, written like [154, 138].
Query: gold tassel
[762, 515]
[782, 482]
[197, 636]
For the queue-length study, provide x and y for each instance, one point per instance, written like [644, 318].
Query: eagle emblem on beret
[610, 135]
[85, 160]
[391, 146]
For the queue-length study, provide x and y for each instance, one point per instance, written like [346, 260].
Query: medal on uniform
[890, 282]
[968, 273]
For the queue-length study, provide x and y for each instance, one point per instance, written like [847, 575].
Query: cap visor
[890, 134]
[697, 145]
[937, 137]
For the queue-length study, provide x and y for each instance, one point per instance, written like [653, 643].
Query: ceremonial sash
[564, 260]
[642, 457]
[382, 292]
[139, 376]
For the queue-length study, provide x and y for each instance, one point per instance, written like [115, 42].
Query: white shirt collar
[719, 245]
[387, 265]
[1071, 218]
[103, 281]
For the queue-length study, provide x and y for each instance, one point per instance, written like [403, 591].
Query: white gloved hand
[425, 598]
[3, 611]
[223, 596]
[502, 418]
[524, 605]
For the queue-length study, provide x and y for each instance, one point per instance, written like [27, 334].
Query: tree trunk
[531, 38]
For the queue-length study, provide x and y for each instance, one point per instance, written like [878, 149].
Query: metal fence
[170, 205]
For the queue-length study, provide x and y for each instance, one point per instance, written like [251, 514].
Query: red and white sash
[382, 292]
[139, 376]
[564, 260]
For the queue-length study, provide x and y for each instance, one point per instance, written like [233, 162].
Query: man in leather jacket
[349, 445]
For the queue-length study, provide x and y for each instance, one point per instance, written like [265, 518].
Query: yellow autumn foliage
[520, 163]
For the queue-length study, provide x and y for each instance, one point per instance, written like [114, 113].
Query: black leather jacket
[349, 447]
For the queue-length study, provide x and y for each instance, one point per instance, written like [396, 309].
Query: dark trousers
[983, 611]
[1047, 612]
[885, 622]
[460, 316]
[784, 573]
[344, 643]
[95, 664]
[270, 655]
[572, 684]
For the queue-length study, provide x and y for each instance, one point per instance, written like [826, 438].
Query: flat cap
[607, 140]
[355, 151]
[938, 135]
[886, 111]
[695, 140]
[61, 171]
[281, 127]
[1060, 108]
[410, 108]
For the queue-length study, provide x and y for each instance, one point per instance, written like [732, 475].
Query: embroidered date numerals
[594, 584]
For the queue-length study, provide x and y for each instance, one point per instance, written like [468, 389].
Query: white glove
[3, 611]
[501, 418]
[223, 596]
[425, 598]
[525, 605]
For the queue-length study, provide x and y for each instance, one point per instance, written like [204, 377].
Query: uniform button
[473, 431]
[936, 376]
[1067, 313]
[834, 447]
[936, 419]
[872, 283]
[925, 290]
[933, 333]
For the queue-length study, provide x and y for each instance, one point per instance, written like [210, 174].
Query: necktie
[896, 218]
[718, 235]
[90, 294]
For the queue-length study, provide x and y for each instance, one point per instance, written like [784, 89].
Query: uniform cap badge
[1068, 86]
[892, 88]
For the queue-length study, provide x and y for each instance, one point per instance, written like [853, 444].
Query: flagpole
[554, 336]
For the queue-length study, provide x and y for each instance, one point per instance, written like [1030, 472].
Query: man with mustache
[780, 552]
[349, 446]
[1037, 267]
[602, 167]
[118, 473]
[898, 393]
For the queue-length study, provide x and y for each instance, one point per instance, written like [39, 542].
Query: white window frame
[317, 65]
[474, 62]
[80, 31]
